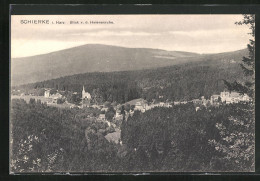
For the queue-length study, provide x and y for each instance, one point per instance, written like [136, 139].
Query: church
[86, 98]
[85, 95]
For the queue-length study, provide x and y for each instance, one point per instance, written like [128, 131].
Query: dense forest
[164, 139]
[181, 139]
[179, 82]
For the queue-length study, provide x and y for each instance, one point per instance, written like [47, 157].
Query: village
[59, 100]
[123, 111]
[152, 93]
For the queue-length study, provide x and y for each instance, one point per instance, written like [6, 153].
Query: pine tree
[237, 131]
[248, 63]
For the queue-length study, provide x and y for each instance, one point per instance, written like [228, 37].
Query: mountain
[201, 75]
[102, 58]
[90, 58]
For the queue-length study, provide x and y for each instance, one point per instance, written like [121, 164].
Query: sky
[191, 33]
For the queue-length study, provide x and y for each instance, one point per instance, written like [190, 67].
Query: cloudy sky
[192, 33]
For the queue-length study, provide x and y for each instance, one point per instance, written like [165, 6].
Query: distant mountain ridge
[201, 76]
[101, 58]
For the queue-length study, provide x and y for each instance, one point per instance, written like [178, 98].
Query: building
[233, 97]
[141, 106]
[246, 98]
[118, 113]
[55, 97]
[197, 101]
[96, 106]
[47, 93]
[214, 99]
[114, 137]
[85, 95]
[108, 123]
[165, 104]
[104, 109]
[161, 104]
[85, 103]
[197, 108]
[102, 117]
[204, 101]
[86, 98]
[176, 102]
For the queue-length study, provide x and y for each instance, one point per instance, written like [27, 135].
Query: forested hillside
[90, 58]
[102, 58]
[178, 82]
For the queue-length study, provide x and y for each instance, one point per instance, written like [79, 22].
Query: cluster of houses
[142, 105]
[229, 98]
[234, 97]
[225, 97]
[53, 98]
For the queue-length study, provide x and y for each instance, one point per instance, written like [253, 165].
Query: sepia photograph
[132, 93]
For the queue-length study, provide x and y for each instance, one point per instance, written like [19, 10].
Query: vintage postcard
[132, 93]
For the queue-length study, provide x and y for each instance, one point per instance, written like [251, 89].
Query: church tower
[85, 94]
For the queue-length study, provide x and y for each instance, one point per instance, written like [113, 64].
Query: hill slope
[201, 76]
[91, 58]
